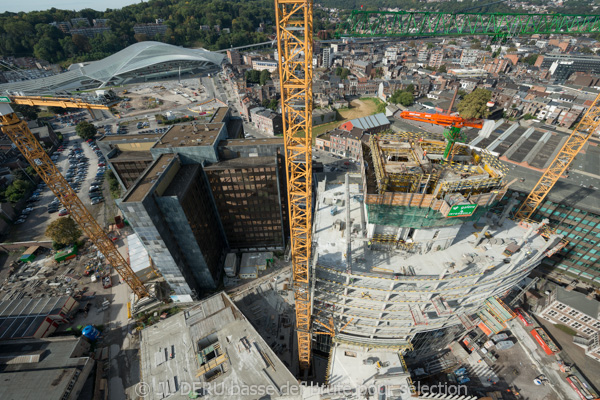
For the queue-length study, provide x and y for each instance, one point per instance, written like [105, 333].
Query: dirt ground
[358, 109]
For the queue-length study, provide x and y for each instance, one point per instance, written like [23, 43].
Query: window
[573, 313]
[566, 320]
[576, 325]
[561, 306]
[588, 331]
[585, 319]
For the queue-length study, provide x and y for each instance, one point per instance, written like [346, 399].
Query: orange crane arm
[442, 119]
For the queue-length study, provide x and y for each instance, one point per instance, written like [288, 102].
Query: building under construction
[409, 249]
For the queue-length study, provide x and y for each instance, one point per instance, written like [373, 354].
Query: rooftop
[251, 142]
[21, 318]
[212, 346]
[41, 369]
[579, 302]
[193, 134]
[132, 137]
[352, 368]
[128, 156]
[143, 185]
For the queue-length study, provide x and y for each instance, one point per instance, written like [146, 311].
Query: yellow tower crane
[19, 133]
[294, 49]
[582, 132]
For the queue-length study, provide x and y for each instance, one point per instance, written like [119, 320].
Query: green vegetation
[528, 116]
[63, 231]
[530, 59]
[566, 329]
[272, 104]
[31, 33]
[405, 97]
[113, 184]
[342, 72]
[474, 105]
[17, 190]
[29, 112]
[85, 130]
[260, 77]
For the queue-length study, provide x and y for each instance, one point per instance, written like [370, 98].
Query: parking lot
[81, 169]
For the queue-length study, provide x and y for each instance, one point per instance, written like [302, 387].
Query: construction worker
[424, 154]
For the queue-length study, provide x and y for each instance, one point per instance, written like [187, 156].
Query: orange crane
[19, 133]
[453, 124]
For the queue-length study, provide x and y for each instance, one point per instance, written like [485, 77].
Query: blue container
[90, 332]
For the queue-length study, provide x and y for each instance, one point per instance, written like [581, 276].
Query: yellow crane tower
[294, 20]
[19, 133]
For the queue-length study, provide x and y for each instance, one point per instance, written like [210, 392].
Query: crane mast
[19, 133]
[294, 50]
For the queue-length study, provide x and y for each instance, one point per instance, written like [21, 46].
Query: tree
[511, 49]
[338, 71]
[85, 130]
[403, 97]
[430, 45]
[29, 112]
[531, 59]
[273, 104]
[586, 50]
[63, 231]
[442, 68]
[345, 73]
[474, 105]
[264, 77]
[410, 88]
[252, 76]
[406, 99]
[17, 190]
[528, 116]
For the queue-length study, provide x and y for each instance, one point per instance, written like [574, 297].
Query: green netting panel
[415, 217]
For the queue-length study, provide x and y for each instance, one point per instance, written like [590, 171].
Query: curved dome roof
[135, 57]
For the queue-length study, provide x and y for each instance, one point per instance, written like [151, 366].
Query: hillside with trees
[30, 34]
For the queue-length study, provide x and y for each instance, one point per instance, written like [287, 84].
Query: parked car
[63, 212]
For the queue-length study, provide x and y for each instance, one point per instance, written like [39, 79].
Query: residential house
[267, 121]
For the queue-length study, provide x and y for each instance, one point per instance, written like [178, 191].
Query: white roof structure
[139, 62]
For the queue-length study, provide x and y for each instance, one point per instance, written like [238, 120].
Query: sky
[33, 5]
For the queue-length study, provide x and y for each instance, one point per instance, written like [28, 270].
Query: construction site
[411, 249]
